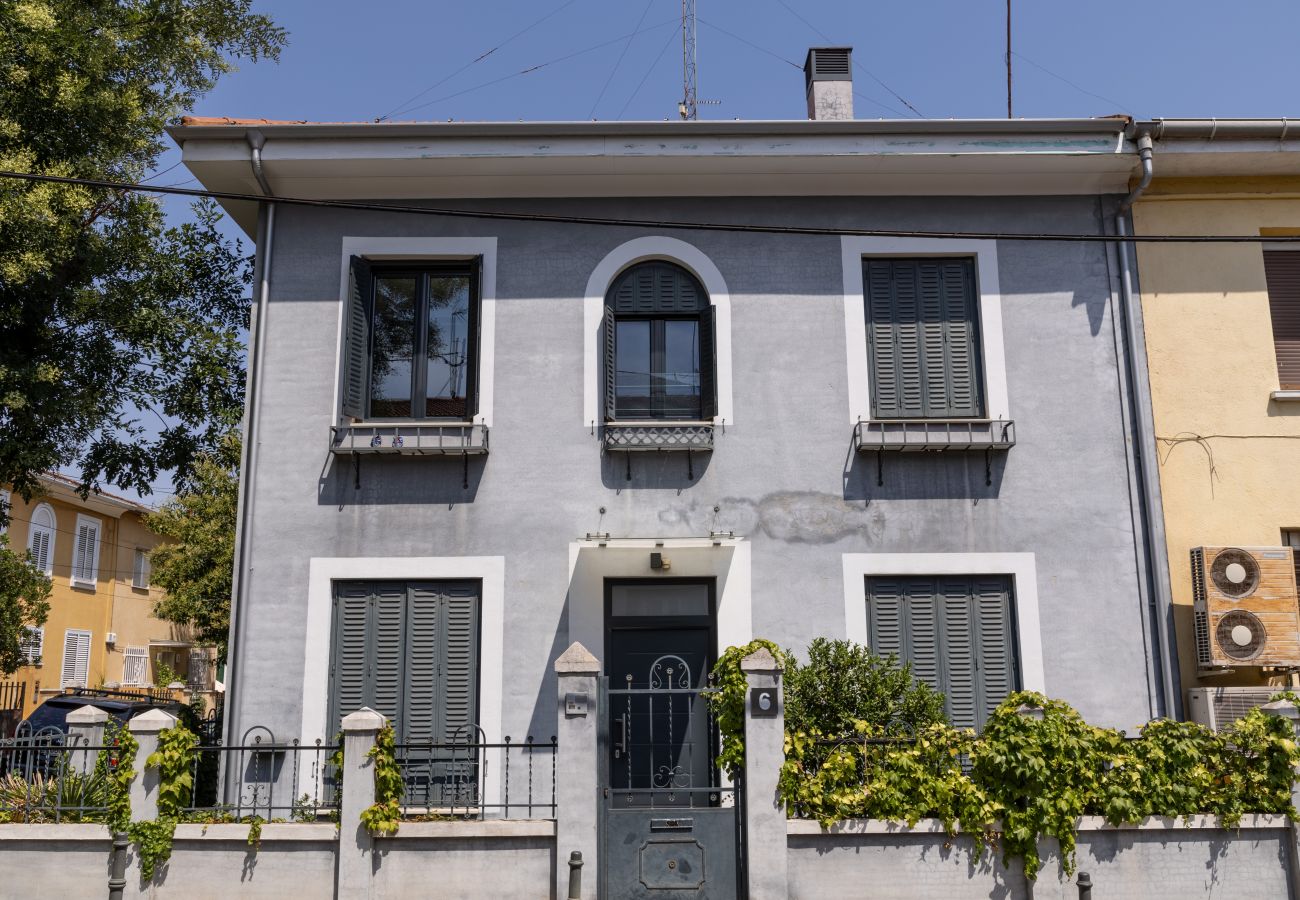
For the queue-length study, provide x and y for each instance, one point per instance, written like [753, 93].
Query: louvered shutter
[39, 547]
[351, 658]
[387, 639]
[459, 663]
[997, 656]
[611, 365]
[423, 634]
[908, 365]
[356, 342]
[961, 341]
[932, 338]
[708, 363]
[961, 679]
[885, 400]
[885, 617]
[921, 638]
[85, 553]
[1282, 272]
[76, 659]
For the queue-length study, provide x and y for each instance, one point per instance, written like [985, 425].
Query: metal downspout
[251, 437]
[1160, 599]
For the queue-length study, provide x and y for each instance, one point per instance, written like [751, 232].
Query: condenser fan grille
[1240, 635]
[1234, 573]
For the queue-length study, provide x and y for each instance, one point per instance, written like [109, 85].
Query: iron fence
[12, 696]
[274, 781]
[471, 778]
[50, 777]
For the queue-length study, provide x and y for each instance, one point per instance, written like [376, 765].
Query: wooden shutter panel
[885, 617]
[877, 277]
[932, 340]
[1282, 273]
[356, 341]
[991, 598]
[76, 658]
[351, 663]
[423, 635]
[708, 362]
[924, 648]
[611, 365]
[387, 639]
[959, 653]
[961, 340]
[459, 663]
[906, 311]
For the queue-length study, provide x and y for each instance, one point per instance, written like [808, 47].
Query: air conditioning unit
[1218, 708]
[1245, 608]
[110, 638]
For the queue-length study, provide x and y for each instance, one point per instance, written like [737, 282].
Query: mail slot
[672, 824]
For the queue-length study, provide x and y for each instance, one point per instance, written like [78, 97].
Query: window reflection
[393, 348]
[447, 346]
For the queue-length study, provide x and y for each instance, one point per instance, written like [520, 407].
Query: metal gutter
[192, 128]
[1158, 608]
[249, 450]
[1225, 129]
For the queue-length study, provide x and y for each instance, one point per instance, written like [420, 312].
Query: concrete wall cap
[1281, 708]
[151, 721]
[761, 660]
[363, 720]
[87, 715]
[577, 660]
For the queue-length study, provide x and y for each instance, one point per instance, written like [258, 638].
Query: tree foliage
[24, 596]
[195, 568]
[120, 337]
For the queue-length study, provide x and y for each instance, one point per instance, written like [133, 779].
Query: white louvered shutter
[135, 663]
[85, 552]
[76, 658]
[33, 644]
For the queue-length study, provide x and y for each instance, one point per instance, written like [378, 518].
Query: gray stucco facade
[783, 476]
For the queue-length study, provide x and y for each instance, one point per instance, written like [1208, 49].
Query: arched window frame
[41, 531]
[659, 292]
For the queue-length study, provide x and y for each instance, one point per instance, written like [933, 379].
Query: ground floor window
[409, 650]
[957, 632]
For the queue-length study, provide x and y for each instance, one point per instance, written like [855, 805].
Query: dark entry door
[670, 820]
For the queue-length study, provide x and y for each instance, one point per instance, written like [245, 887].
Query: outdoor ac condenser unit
[110, 638]
[1245, 607]
[1219, 707]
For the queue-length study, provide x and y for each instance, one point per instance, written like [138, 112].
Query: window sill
[1286, 395]
[934, 435]
[657, 435]
[442, 439]
[79, 585]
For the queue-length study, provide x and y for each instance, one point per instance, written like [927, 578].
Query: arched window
[40, 538]
[659, 346]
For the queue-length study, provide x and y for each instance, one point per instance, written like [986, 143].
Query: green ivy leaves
[385, 814]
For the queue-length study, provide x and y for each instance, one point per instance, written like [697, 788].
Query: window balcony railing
[934, 435]
[426, 439]
[658, 435]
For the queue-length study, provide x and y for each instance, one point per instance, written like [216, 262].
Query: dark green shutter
[708, 363]
[351, 611]
[885, 617]
[458, 663]
[961, 682]
[611, 365]
[387, 637]
[356, 339]
[922, 339]
[997, 654]
[423, 637]
[921, 632]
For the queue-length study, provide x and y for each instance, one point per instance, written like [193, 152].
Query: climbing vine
[385, 814]
[727, 700]
[174, 761]
[117, 762]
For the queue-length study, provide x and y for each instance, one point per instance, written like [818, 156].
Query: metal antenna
[1008, 59]
[689, 103]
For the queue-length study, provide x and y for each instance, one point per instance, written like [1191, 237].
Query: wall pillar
[356, 845]
[1287, 710]
[577, 784]
[766, 848]
[144, 787]
[85, 729]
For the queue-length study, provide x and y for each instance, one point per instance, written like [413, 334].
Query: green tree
[24, 595]
[843, 684]
[196, 567]
[120, 337]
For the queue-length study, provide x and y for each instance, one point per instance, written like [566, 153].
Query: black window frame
[422, 271]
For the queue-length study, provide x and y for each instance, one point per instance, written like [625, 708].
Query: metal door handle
[620, 736]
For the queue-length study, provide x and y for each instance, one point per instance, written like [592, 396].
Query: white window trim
[593, 315]
[53, 529]
[431, 249]
[992, 347]
[728, 562]
[1024, 586]
[490, 571]
[95, 523]
[63, 662]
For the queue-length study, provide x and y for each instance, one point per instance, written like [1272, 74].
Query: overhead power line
[673, 224]
[648, 72]
[619, 61]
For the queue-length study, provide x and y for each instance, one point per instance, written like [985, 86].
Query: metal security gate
[671, 825]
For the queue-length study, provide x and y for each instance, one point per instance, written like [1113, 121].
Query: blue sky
[609, 60]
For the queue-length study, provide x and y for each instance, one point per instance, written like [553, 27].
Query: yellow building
[101, 632]
[1222, 324]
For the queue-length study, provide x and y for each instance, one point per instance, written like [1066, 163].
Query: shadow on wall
[891, 475]
[542, 723]
[374, 480]
[653, 470]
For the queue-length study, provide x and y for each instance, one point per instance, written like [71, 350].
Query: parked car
[52, 715]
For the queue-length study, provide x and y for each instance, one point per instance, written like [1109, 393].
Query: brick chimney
[828, 77]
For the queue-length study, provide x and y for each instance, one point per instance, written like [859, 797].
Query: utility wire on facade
[672, 224]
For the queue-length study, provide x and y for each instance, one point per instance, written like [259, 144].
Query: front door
[670, 821]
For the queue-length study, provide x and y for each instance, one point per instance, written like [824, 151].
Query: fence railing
[291, 781]
[50, 777]
[472, 778]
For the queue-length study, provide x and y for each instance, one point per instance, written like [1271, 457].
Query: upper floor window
[1282, 273]
[40, 538]
[411, 348]
[140, 570]
[85, 554]
[659, 346]
[923, 338]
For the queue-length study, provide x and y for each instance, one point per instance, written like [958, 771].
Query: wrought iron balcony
[427, 439]
[934, 435]
[633, 436]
